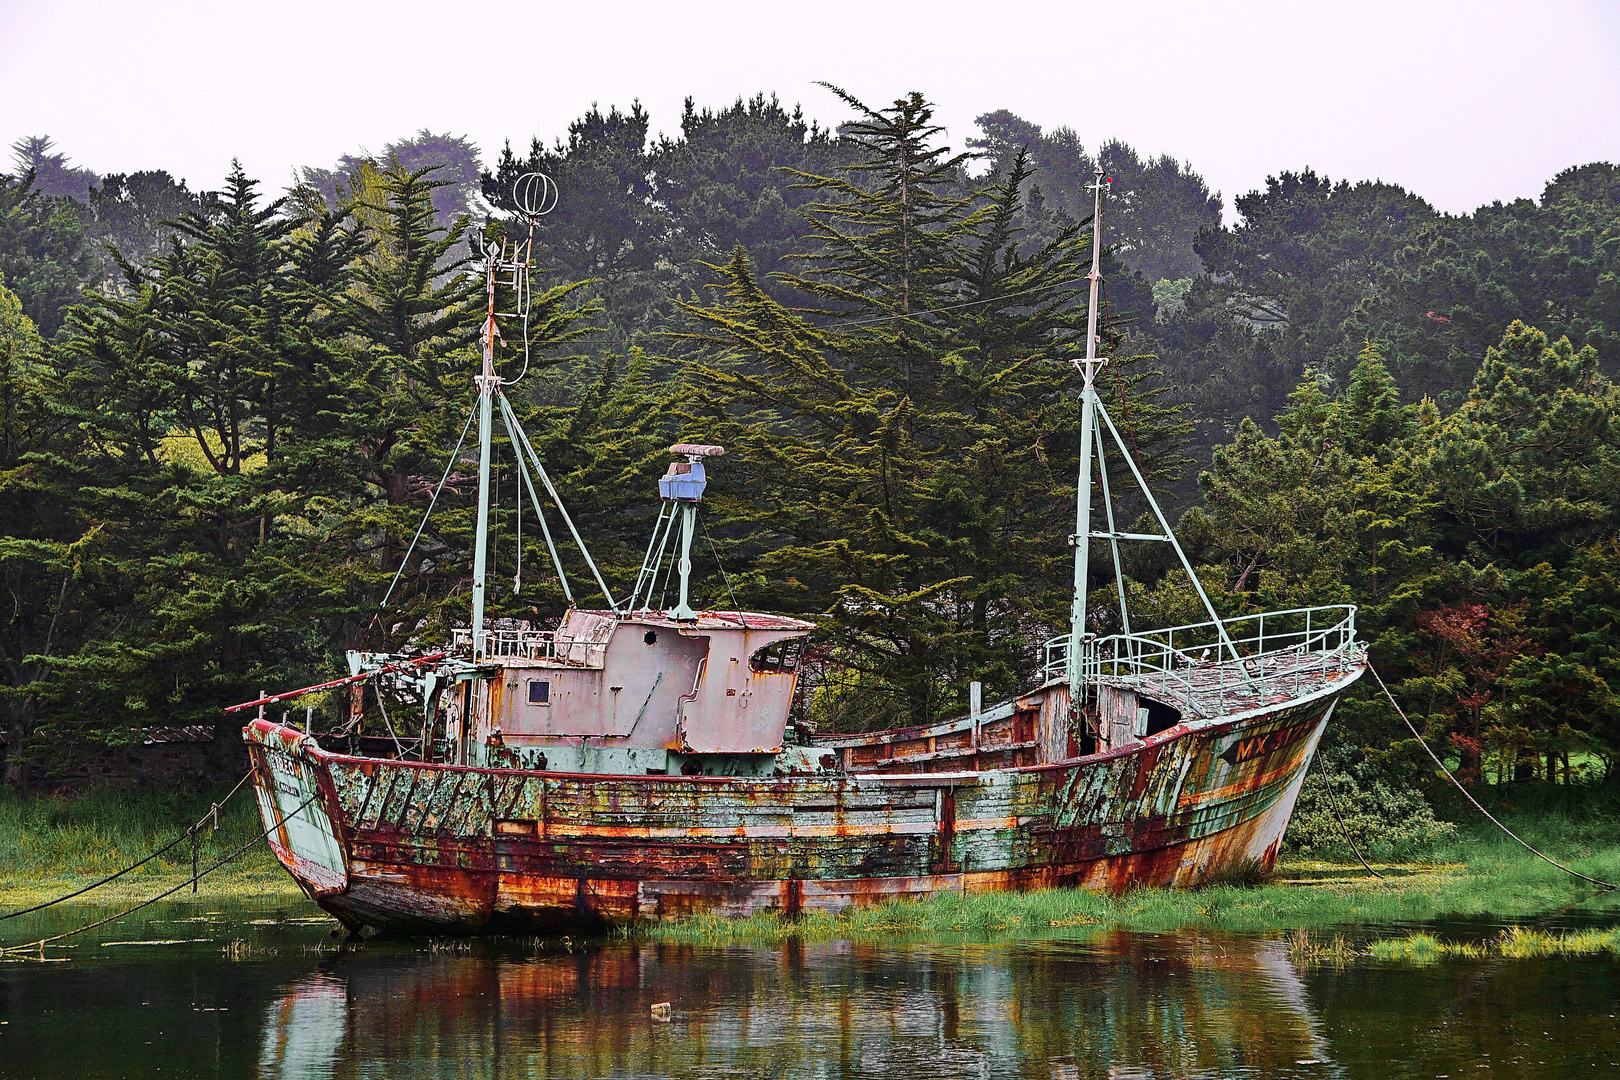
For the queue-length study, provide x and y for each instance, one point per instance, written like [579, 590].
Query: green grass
[51, 845]
[1514, 943]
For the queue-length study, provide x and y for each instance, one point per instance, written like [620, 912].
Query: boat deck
[1206, 690]
[1207, 670]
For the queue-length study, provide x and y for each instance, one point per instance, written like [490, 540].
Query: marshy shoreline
[53, 845]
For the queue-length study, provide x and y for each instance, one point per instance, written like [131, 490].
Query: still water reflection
[1111, 1004]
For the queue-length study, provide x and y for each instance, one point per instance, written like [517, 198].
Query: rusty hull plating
[1000, 803]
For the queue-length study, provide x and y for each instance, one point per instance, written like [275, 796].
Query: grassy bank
[1481, 875]
[51, 845]
[1514, 943]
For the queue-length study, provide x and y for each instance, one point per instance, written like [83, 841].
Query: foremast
[510, 262]
[1094, 419]
[1088, 423]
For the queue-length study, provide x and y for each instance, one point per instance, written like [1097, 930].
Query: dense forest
[222, 414]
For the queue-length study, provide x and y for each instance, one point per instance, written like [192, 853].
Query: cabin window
[779, 657]
[539, 692]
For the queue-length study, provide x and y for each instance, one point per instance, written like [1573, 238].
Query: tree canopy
[222, 414]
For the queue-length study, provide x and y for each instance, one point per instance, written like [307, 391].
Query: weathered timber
[434, 845]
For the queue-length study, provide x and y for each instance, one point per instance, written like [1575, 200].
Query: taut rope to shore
[1470, 796]
[13, 950]
[188, 834]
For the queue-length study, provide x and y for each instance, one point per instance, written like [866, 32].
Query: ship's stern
[294, 800]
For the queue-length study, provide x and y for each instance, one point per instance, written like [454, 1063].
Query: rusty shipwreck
[637, 762]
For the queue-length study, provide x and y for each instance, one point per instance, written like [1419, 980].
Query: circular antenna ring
[535, 194]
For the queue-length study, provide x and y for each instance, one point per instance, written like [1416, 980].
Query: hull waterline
[411, 846]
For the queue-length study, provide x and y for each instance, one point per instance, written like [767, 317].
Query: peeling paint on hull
[445, 847]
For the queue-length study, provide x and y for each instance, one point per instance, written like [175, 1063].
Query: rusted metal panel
[734, 709]
[435, 844]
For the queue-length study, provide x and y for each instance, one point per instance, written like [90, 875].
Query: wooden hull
[402, 845]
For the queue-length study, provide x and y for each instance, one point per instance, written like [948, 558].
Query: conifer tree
[885, 235]
[731, 178]
[903, 463]
[42, 250]
[36, 558]
[413, 317]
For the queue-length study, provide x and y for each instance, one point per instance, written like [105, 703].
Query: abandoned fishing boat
[635, 762]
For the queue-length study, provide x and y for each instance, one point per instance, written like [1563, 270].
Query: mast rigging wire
[723, 577]
[539, 510]
[406, 561]
[517, 527]
[521, 438]
[387, 723]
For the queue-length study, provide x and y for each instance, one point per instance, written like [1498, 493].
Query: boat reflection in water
[1116, 1005]
[304, 1029]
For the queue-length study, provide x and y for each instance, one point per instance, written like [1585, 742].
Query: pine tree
[885, 236]
[903, 463]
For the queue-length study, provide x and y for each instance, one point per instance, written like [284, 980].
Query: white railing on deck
[511, 644]
[1280, 654]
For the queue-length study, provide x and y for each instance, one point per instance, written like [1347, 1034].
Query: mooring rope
[1344, 830]
[42, 942]
[136, 865]
[1469, 795]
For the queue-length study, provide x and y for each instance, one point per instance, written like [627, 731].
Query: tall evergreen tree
[37, 551]
[42, 250]
[731, 179]
[1448, 291]
[903, 463]
[608, 227]
[1158, 206]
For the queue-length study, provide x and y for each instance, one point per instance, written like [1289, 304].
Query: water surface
[286, 1000]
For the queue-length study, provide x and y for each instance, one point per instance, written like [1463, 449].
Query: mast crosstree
[536, 196]
[1091, 440]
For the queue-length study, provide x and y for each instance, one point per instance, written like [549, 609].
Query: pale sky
[1462, 103]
